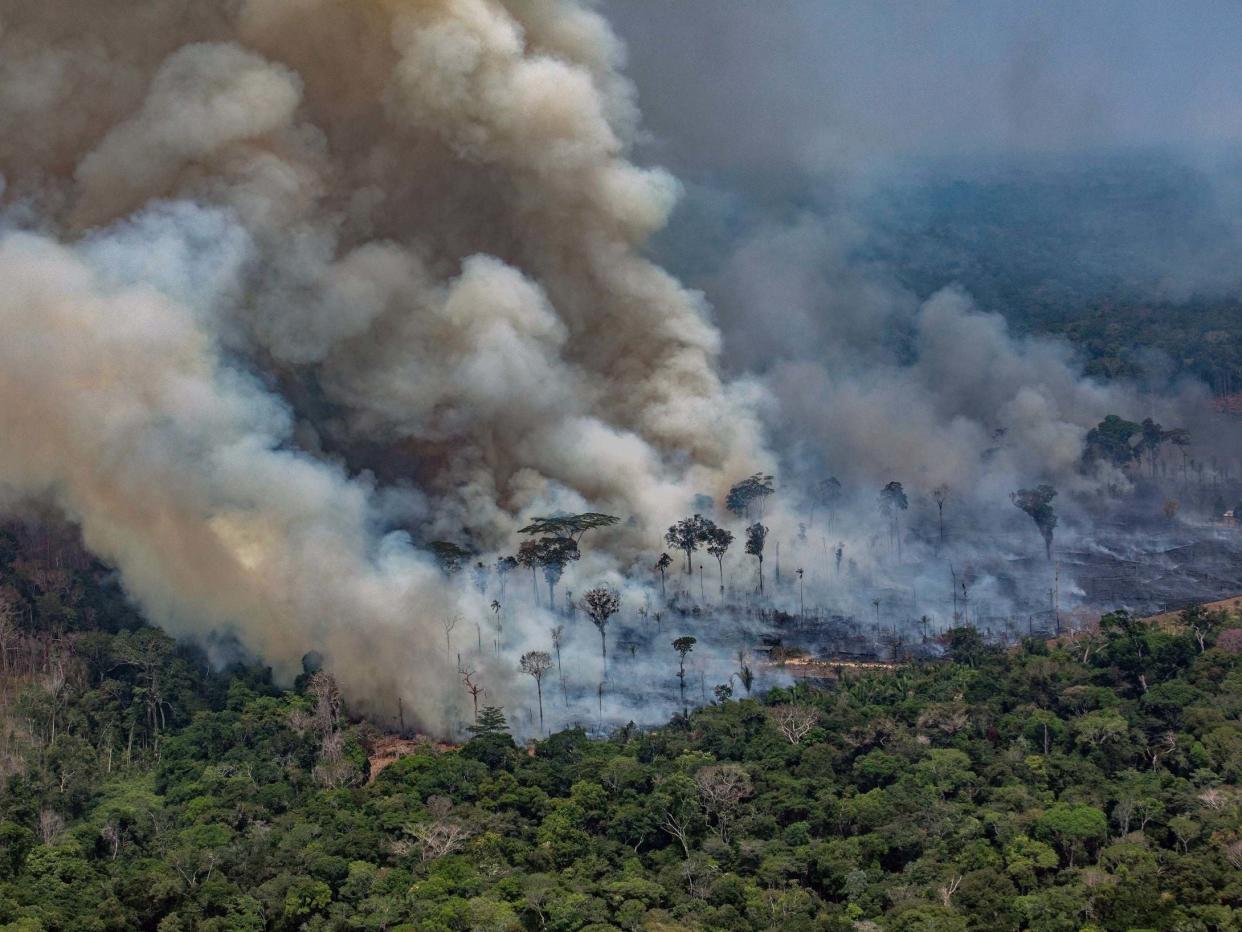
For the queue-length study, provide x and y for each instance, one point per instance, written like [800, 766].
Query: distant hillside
[1136, 258]
[1121, 255]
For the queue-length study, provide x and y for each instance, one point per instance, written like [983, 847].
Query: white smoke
[242, 234]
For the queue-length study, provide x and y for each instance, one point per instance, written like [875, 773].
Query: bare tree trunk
[560, 672]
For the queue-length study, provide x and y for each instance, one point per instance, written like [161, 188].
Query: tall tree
[686, 535]
[558, 634]
[557, 547]
[148, 651]
[940, 495]
[718, 540]
[826, 495]
[449, 556]
[496, 608]
[744, 673]
[568, 526]
[449, 622]
[893, 502]
[746, 498]
[1115, 441]
[662, 566]
[1037, 503]
[683, 646]
[474, 689]
[528, 557]
[722, 788]
[602, 603]
[1153, 437]
[756, 537]
[504, 566]
[554, 554]
[535, 663]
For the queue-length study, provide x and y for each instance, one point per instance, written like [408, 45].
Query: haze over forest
[328, 323]
[697, 394]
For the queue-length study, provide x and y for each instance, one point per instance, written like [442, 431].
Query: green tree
[491, 722]
[893, 502]
[1114, 441]
[686, 535]
[1074, 828]
[569, 526]
[1037, 503]
[746, 498]
[449, 556]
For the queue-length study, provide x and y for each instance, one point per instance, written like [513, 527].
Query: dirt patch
[1229, 404]
[1233, 604]
[809, 668]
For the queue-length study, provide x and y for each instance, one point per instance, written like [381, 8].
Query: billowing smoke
[868, 383]
[872, 383]
[291, 288]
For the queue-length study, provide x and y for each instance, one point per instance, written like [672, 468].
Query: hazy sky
[847, 84]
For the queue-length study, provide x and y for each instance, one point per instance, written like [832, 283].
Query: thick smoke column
[263, 258]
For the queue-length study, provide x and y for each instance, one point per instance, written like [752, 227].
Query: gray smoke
[285, 284]
[292, 289]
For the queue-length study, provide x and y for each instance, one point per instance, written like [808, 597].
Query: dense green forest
[1072, 786]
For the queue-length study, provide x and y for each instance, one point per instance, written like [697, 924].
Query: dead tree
[794, 722]
[722, 787]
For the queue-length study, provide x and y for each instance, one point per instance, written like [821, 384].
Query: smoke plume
[291, 288]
